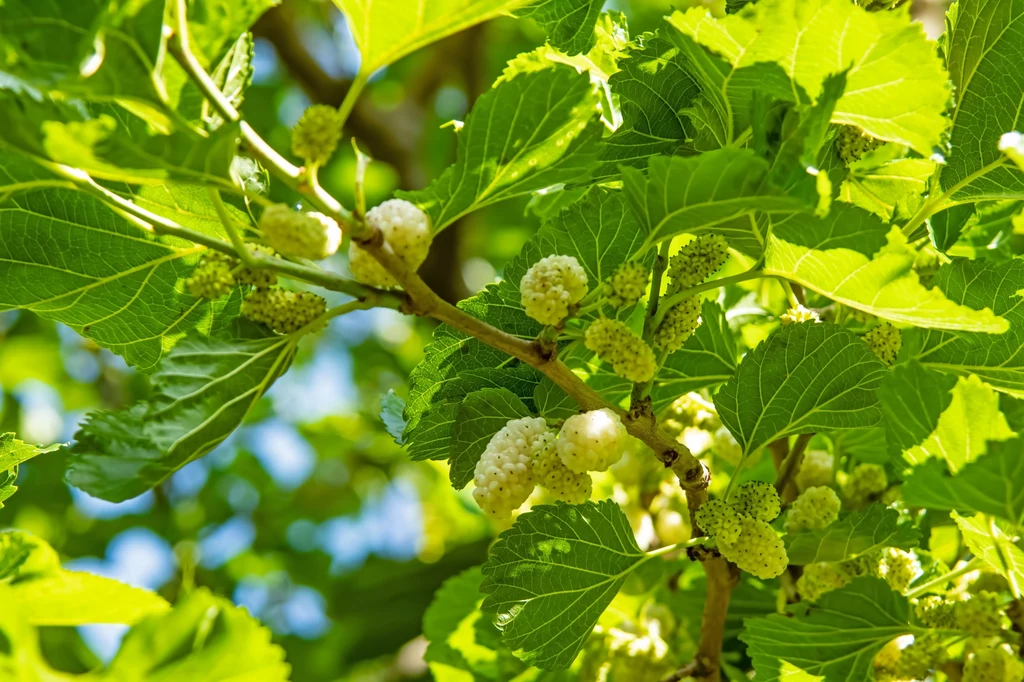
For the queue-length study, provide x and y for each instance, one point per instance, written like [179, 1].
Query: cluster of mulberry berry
[815, 470]
[614, 655]
[936, 612]
[993, 664]
[742, 532]
[895, 566]
[627, 284]
[815, 508]
[925, 654]
[690, 266]
[301, 235]
[405, 228]
[552, 287]
[852, 143]
[504, 474]
[616, 344]
[691, 410]
[551, 473]
[981, 615]
[865, 484]
[885, 341]
[317, 134]
[799, 314]
[217, 274]
[283, 311]
[591, 441]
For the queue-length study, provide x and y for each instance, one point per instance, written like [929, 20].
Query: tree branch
[791, 463]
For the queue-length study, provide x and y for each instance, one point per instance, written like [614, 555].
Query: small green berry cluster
[865, 484]
[313, 236]
[852, 144]
[815, 470]
[896, 567]
[816, 508]
[741, 529]
[317, 134]
[993, 664]
[283, 311]
[885, 341]
[690, 266]
[217, 274]
[620, 347]
[406, 230]
[627, 284]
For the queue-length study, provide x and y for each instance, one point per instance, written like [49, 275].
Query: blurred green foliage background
[310, 516]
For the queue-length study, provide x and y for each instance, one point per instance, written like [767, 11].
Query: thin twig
[971, 565]
[791, 464]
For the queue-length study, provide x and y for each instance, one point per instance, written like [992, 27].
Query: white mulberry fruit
[758, 500]
[865, 484]
[283, 311]
[616, 344]
[927, 652]
[405, 228]
[562, 482]
[211, 279]
[591, 441]
[551, 287]
[993, 664]
[504, 474]
[301, 235]
[627, 284]
[758, 550]
[936, 612]
[814, 509]
[981, 615]
[815, 470]
[885, 342]
[695, 261]
[822, 577]
[317, 134]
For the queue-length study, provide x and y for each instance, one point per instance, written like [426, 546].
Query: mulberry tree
[759, 362]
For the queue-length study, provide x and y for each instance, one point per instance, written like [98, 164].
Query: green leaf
[853, 534]
[987, 541]
[992, 484]
[882, 189]
[67, 257]
[65, 598]
[551, 575]
[552, 402]
[215, 25]
[803, 378]
[654, 89]
[996, 359]
[708, 358]
[983, 42]
[837, 638]
[461, 639]
[946, 226]
[391, 408]
[568, 23]
[987, 232]
[482, 414]
[701, 193]
[896, 88]
[853, 258]
[201, 392]
[387, 30]
[12, 453]
[23, 556]
[913, 399]
[203, 639]
[87, 48]
[533, 131]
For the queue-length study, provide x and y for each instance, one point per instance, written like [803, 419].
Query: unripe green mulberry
[898, 568]
[758, 550]
[627, 284]
[261, 278]
[936, 612]
[758, 500]
[799, 314]
[993, 664]
[815, 470]
[822, 577]
[852, 144]
[552, 286]
[926, 654]
[886, 661]
[885, 341]
[405, 228]
[865, 484]
[504, 474]
[671, 527]
[616, 344]
[695, 261]
[814, 509]
[639, 659]
[678, 324]
[562, 482]
[301, 235]
[317, 134]
[591, 441]
[719, 520]
[981, 615]
[211, 279]
[283, 311]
